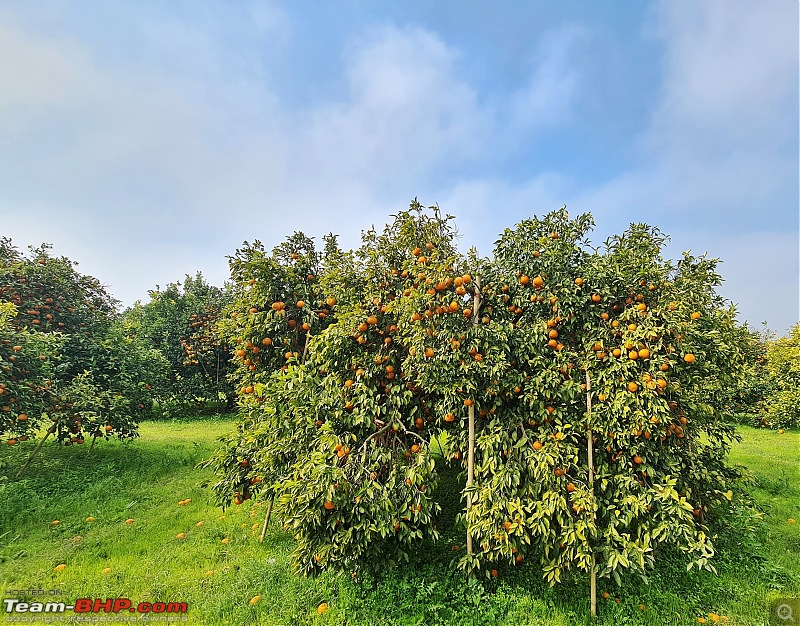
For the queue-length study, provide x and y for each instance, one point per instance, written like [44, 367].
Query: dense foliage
[783, 371]
[180, 323]
[70, 370]
[583, 389]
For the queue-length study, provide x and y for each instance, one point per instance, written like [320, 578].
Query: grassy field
[146, 561]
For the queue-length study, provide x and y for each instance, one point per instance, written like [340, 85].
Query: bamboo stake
[266, 519]
[590, 450]
[471, 417]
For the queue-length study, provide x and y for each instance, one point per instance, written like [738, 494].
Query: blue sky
[147, 140]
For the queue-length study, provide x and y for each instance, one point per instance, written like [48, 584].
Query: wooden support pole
[266, 519]
[590, 452]
[476, 304]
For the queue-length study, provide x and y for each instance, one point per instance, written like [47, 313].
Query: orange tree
[783, 373]
[181, 322]
[93, 366]
[579, 387]
[275, 307]
[612, 440]
[25, 377]
[340, 433]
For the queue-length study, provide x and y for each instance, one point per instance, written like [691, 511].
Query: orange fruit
[524, 279]
[328, 505]
[538, 282]
[633, 387]
[322, 608]
[689, 358]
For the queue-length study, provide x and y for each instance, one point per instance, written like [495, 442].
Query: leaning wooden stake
[590, 450]
[471, 417]
[39, 447]
[266, 518]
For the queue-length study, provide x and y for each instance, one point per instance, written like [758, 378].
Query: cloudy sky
[147, 139]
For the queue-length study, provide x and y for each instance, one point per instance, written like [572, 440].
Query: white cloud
[36, 72]
[730, 71]
[547, 98]
[187, 158]
[759, 271]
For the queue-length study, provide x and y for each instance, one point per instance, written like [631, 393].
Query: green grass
[145, 479]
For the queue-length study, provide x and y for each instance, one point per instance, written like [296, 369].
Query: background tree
[783, 368]
[26, 370]
[55, 303]
[181, 322]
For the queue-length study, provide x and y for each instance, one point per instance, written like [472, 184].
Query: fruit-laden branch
[377, 433]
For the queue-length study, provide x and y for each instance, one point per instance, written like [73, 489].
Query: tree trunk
[50, 431]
